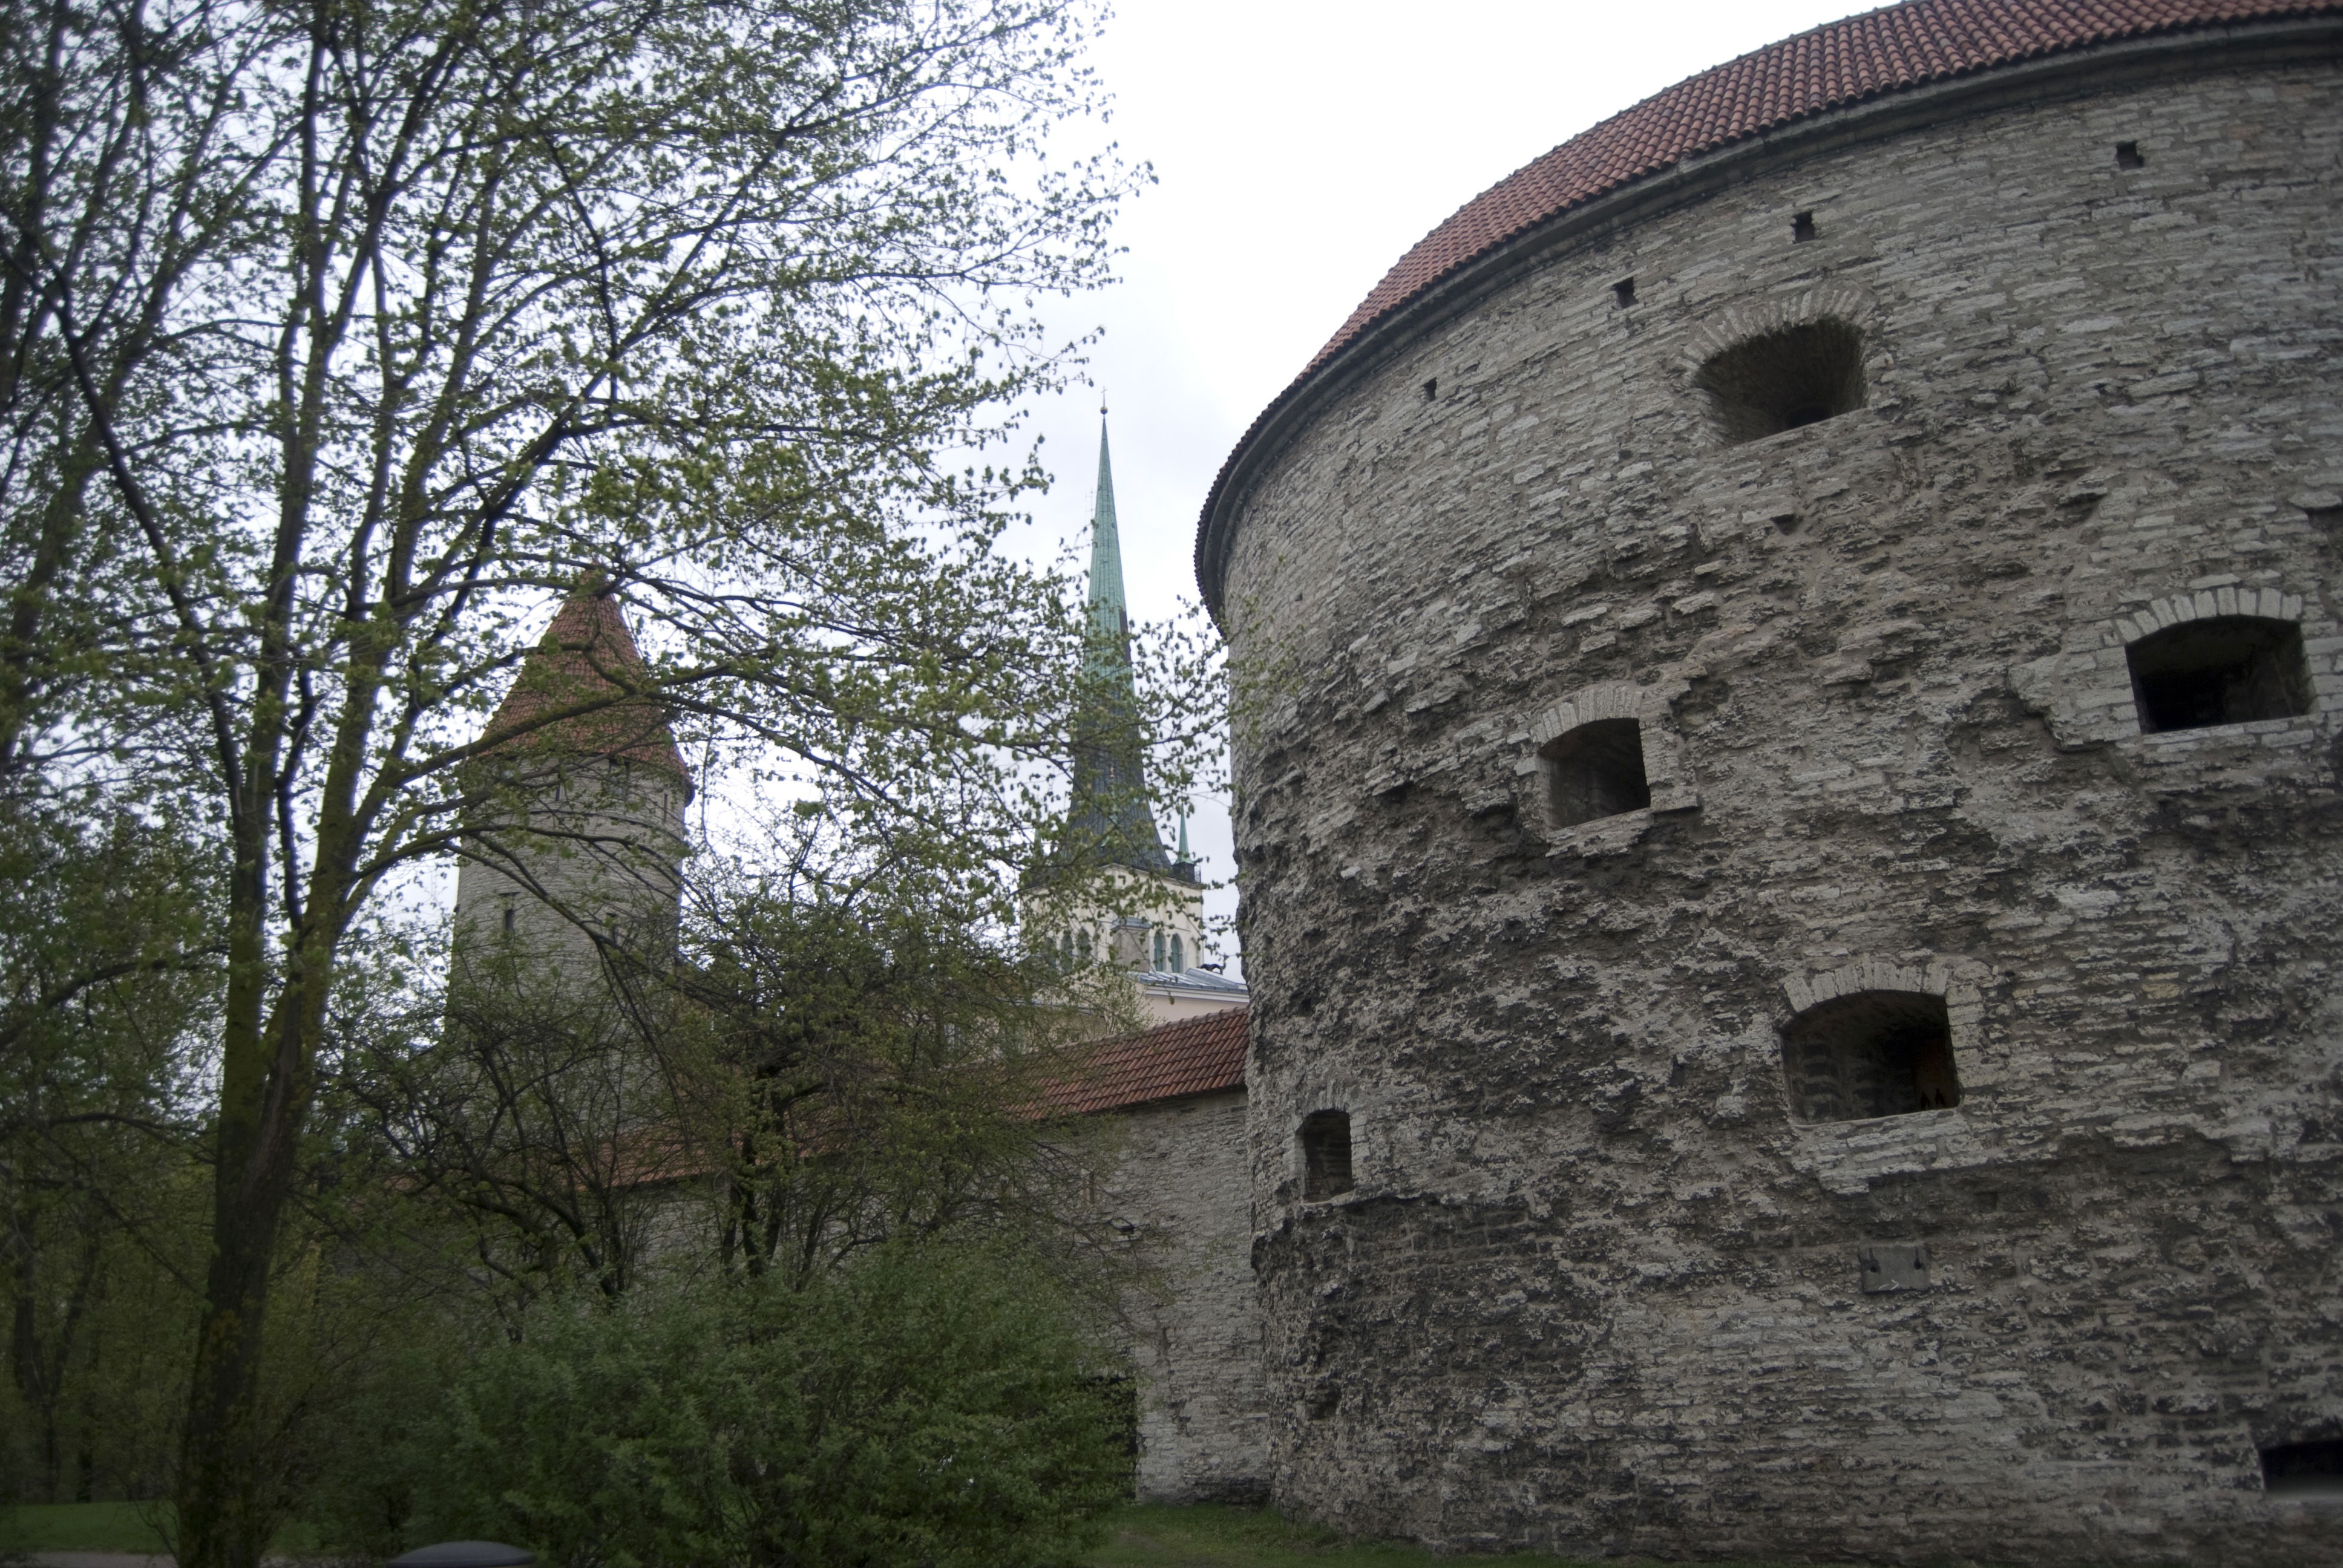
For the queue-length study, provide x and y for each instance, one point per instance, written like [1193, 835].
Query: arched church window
[1325, 1154]
[1596, 770]
[1159, 952]
[1874, 1053]
[2225, 669]
[1782, 379]
[1179, 961]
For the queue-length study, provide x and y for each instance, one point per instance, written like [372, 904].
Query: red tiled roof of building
[587, 645]
[1194, 1056]
[1838, 64]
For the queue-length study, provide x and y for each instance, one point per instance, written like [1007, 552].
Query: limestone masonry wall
[600, 848]
[1181, 1180]
[1596, 1288]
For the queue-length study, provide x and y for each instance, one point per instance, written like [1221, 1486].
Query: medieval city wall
[1181, 1180]
[1595, 1287]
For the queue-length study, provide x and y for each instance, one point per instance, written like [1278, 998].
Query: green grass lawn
[1144, 1536]
[1140, 1536]
[108, 1527]
[83, 1527]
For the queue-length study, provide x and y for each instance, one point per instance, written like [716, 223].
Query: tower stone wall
[594, 855]
[1624, 1267]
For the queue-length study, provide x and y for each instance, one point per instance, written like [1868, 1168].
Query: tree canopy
[339, 340]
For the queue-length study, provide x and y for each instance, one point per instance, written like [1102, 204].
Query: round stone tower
[1788, 813]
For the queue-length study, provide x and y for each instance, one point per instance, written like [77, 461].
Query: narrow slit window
[2230, 670]
[1783, 380]
[1596, 770]
[2303, 1469]
[1325, 1154]
[1875, 1053]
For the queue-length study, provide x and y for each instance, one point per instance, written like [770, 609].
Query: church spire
[1110, 619]
[1109, 816]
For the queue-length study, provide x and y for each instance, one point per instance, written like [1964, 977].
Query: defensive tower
[586, 793]
[1790, 855]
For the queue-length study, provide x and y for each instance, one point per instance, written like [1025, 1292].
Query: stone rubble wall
[1180, 1182]
[1596, 1291]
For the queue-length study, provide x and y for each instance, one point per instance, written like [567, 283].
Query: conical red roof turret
[588, 651]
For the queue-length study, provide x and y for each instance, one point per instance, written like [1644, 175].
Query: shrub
[930, 1406]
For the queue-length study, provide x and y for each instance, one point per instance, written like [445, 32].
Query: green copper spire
[1109, 817]
[1110, 639]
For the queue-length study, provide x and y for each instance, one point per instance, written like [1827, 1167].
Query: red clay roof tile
[1194, 1056]
[574, 662]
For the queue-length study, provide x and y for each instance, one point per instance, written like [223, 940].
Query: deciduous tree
[346, 336]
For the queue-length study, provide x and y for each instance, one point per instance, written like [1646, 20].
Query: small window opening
[1625, 289]
[1875, 1053]
[2304, 1469]
[1596, 770]
[1802, 228]
[1782, 380]
[1325, 1154]
[1432, 389]
[2230, 670]
[2128, 156]
[508, 919]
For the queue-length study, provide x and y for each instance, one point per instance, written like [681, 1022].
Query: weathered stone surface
[1595, 1287]
[1180, 1181]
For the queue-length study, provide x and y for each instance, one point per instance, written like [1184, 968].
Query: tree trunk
[227, 1502]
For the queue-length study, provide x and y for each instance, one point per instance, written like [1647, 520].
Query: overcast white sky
[1301, 147]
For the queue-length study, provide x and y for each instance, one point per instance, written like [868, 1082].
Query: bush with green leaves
[935, 1406]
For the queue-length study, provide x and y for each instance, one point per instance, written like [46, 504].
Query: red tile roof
[1835, 65]
[583, 651]
[1194, 1056]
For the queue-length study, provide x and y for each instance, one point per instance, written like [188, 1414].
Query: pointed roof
[586, 652]
[1108, 814]
[1109, 616]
